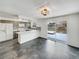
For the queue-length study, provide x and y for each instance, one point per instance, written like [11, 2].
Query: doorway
[57, 31]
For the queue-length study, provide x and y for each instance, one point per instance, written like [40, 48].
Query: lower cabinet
[27, 36]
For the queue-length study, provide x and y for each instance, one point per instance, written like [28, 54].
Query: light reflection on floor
[58, 37]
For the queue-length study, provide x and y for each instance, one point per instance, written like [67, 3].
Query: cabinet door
[9, 31]
[2, 36]
[2, 26]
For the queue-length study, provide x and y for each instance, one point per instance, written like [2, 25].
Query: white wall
[57, 19]
[73, 30]
[43, 24]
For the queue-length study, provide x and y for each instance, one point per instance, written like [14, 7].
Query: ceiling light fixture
[44, 10]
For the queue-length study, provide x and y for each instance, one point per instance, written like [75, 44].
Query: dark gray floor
[37, 49]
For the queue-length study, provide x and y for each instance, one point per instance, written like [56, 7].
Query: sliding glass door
[57, 31]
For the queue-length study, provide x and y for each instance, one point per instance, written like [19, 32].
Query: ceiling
[30, 8]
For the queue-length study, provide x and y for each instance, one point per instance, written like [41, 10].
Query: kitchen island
[24, 36]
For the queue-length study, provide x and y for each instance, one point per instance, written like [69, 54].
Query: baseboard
[42, 38]
[6, 40]
[73, 46]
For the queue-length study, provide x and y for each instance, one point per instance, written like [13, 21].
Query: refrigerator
[6, 31]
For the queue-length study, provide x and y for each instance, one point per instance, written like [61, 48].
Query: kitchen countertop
[22, 32]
